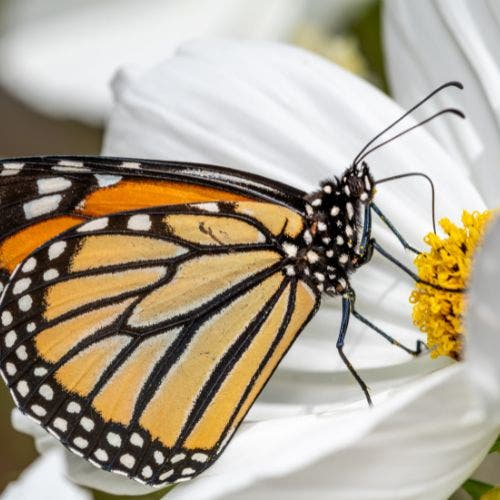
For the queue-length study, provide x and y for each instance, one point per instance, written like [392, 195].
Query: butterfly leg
[392, 228]
[419, 347]
[347, 306]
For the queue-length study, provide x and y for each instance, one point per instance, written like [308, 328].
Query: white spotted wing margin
[141, 339]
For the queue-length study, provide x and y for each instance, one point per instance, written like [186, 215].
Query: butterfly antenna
[402, 117]
[417, 174]
[453, 111]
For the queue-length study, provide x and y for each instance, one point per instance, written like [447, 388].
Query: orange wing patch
[134, 195]
[18, 246]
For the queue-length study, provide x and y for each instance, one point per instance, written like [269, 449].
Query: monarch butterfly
[145, 303]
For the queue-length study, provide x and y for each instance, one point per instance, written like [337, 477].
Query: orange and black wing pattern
[140, 329]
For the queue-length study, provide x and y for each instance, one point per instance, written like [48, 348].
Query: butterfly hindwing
[141, 339]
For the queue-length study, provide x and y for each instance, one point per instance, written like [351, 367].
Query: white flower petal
[45, 480]
[287, 114]
[461, 43]
[59, 56]
[483, 322]
[420, 443]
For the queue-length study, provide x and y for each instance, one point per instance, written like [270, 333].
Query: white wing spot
[290, 249]
[178, 458]
[30, 327]
[159, 457]
[199, 457]
[61, 424]
[23, 388]
[87, 423]
[46, 392]
[41, 206]
[10, 338]
[101, 455]
[343, 258]
[166, 475]
[10, 368]
[39, 410]
[73, 407]
[114, 439]
[136, 440]
[188, 471]
[40, 371]
[139, 222]
[127, 460]
[339, 240]
[80, 442]
[147, 472]
[50, 274]
[130, 164]
[106, 180]
[94, 225]
[334, 211]
[21, 285]
[11, 168]
[21, 353]
[29, 265]
[56, 249]
[53, 185]
[208, 207]
[6, 318]
[25, 303]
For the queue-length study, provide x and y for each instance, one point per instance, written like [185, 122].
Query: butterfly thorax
[331, 237]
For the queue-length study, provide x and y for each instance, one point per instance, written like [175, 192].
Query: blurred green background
[356, 45]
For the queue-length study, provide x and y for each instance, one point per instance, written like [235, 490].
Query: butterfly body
[146, 304]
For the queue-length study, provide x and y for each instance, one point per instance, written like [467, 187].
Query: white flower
[284, 113]
[59, 56]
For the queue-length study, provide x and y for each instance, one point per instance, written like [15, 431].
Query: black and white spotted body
[331, 252]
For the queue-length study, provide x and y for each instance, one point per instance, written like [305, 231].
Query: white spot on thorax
[350, 210]
[334, 211]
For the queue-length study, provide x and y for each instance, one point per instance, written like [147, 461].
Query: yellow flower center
[448, 264]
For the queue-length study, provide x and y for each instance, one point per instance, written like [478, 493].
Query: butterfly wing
[141, 339]
[42, 197]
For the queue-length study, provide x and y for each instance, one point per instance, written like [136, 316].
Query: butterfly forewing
[141, 339]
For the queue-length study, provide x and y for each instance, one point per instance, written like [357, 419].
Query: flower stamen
[448, 263]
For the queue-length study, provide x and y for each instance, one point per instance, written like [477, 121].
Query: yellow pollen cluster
[448, 264]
